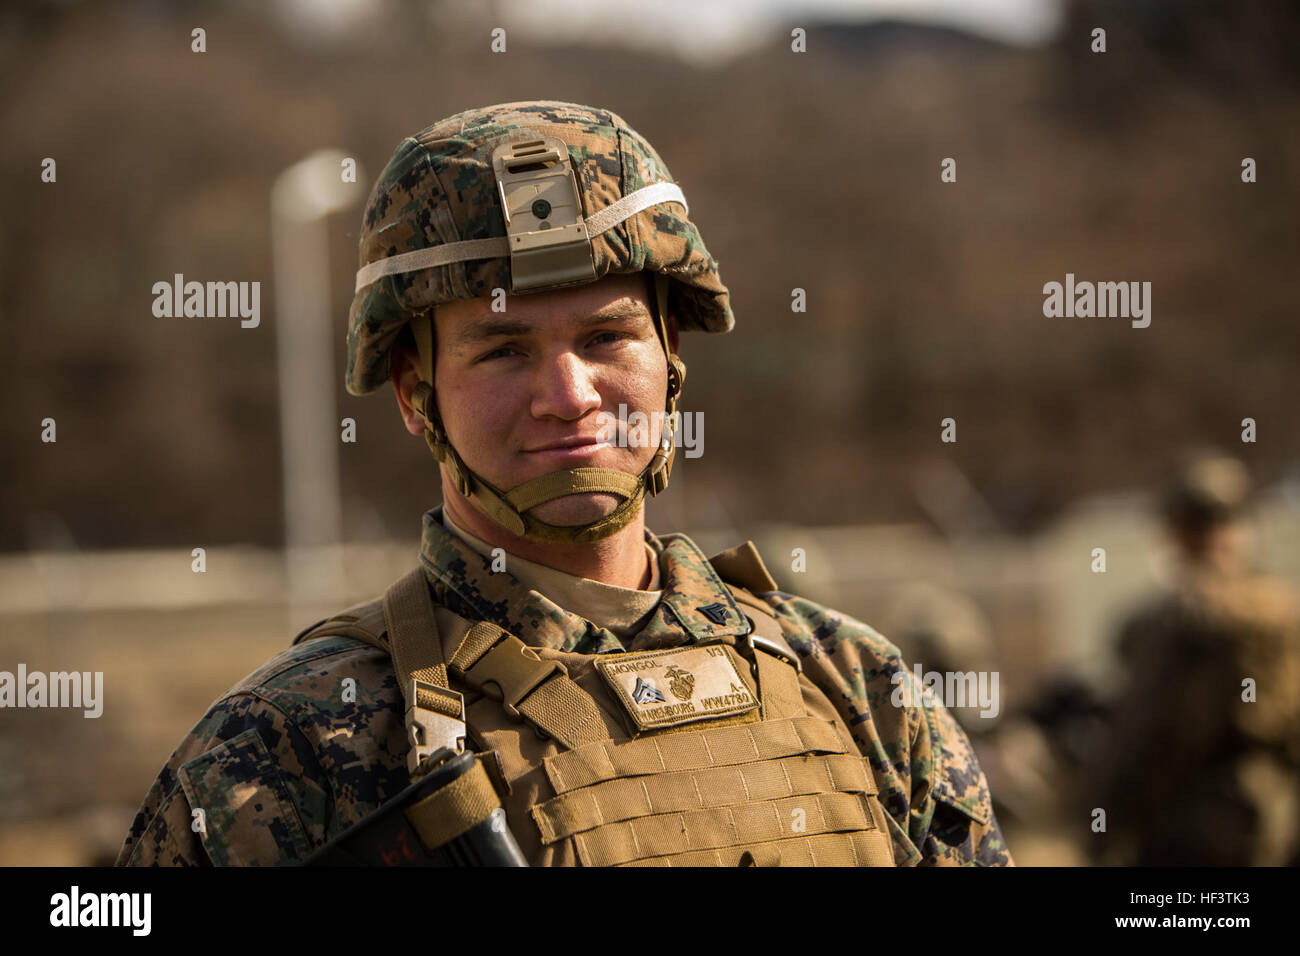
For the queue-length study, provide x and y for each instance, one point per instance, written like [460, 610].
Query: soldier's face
[550, 371]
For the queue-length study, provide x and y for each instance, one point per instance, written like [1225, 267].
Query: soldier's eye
[501, 352]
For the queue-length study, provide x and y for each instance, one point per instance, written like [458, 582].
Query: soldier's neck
[620, 560]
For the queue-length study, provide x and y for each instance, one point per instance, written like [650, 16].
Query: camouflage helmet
[1208, 488]
[526, 197]
[440, 189]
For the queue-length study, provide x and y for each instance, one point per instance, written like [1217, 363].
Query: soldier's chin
[578, 509]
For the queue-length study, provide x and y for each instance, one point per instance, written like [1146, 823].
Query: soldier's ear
[405, 374]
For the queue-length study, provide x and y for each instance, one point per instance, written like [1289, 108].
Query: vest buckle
[773, 648]
[515, 669]
[430, 730]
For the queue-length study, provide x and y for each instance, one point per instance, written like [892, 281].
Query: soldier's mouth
[589, 448]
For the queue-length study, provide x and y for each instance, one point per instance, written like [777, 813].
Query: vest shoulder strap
[743, 571]
[743, 567]
[363, 622]
[746, 577]
[403, 625]
[478, 652]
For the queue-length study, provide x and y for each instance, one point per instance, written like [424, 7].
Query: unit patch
[665, 688]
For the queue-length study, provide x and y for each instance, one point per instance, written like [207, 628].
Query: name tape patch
[665, 688]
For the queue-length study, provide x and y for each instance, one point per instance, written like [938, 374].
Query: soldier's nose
[565, 388]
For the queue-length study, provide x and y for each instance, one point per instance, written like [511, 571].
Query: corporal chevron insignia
[645, 693]
[715, 612]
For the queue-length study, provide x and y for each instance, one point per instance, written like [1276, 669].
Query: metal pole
[302, 198]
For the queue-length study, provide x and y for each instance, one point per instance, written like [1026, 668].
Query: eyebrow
[487, 329]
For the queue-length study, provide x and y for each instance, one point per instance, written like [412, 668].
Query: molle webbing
[628, 797]
[788, 791]
[726, 746]
[860, 848]
[742, 826]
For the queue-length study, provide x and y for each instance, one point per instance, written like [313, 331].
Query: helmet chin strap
[510, 508]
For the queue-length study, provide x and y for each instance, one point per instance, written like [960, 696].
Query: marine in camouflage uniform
[1189, 772]
[287, 760]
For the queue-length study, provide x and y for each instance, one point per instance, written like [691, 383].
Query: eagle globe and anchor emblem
[680, 682]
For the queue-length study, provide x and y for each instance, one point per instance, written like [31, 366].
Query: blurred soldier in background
[1199, 764]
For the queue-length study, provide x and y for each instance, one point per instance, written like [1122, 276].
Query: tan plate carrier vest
[782, 784]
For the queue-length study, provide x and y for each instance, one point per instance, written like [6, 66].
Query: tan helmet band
[499, 246]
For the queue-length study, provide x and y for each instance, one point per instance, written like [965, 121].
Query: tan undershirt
[621, 611]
